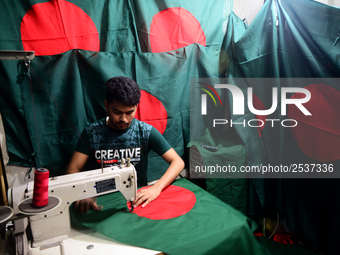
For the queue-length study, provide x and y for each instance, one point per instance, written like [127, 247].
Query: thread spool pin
[128, 162]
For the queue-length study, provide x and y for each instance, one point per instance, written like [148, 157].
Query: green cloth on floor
[210, 227]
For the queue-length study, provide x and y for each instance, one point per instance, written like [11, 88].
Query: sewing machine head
[52, 225]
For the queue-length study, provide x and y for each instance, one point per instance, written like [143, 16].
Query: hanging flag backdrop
[59, 111]
[57, 26]
[81, 44]
[51, 27]
[303, 43]
[173, 24]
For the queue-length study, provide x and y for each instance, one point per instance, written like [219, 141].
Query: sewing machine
[50, 225]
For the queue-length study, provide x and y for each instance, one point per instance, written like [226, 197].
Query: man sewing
[106, 140]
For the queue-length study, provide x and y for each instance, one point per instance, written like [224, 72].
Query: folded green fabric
[230, 152]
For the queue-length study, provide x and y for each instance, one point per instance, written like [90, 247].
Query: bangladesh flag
[172, 24]
[185, 220]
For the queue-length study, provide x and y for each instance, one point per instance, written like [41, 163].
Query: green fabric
[232, 191]
[304, 44]
[210, 227]
[309, 47]
[18, 141]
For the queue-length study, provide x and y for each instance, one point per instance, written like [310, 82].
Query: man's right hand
[83, 206]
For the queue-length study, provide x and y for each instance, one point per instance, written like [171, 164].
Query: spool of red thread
[40, 189]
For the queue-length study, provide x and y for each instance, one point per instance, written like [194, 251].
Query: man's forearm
[174, 169]
[72, 170]
[77, 162]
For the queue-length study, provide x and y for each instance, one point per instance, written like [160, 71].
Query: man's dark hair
[122, 89]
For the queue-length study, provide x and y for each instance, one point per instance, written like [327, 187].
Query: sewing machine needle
[131, 205]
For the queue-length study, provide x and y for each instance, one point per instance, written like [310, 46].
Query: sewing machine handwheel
[26, 206]
[6, 212]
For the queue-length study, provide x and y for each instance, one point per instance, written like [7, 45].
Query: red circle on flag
[57, 26]
[173, 201]
[152, 111]
[174, 28]
[318, 135]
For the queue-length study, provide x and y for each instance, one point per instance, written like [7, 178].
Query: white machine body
[52, 226]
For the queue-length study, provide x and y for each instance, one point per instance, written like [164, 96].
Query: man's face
[120, 115]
